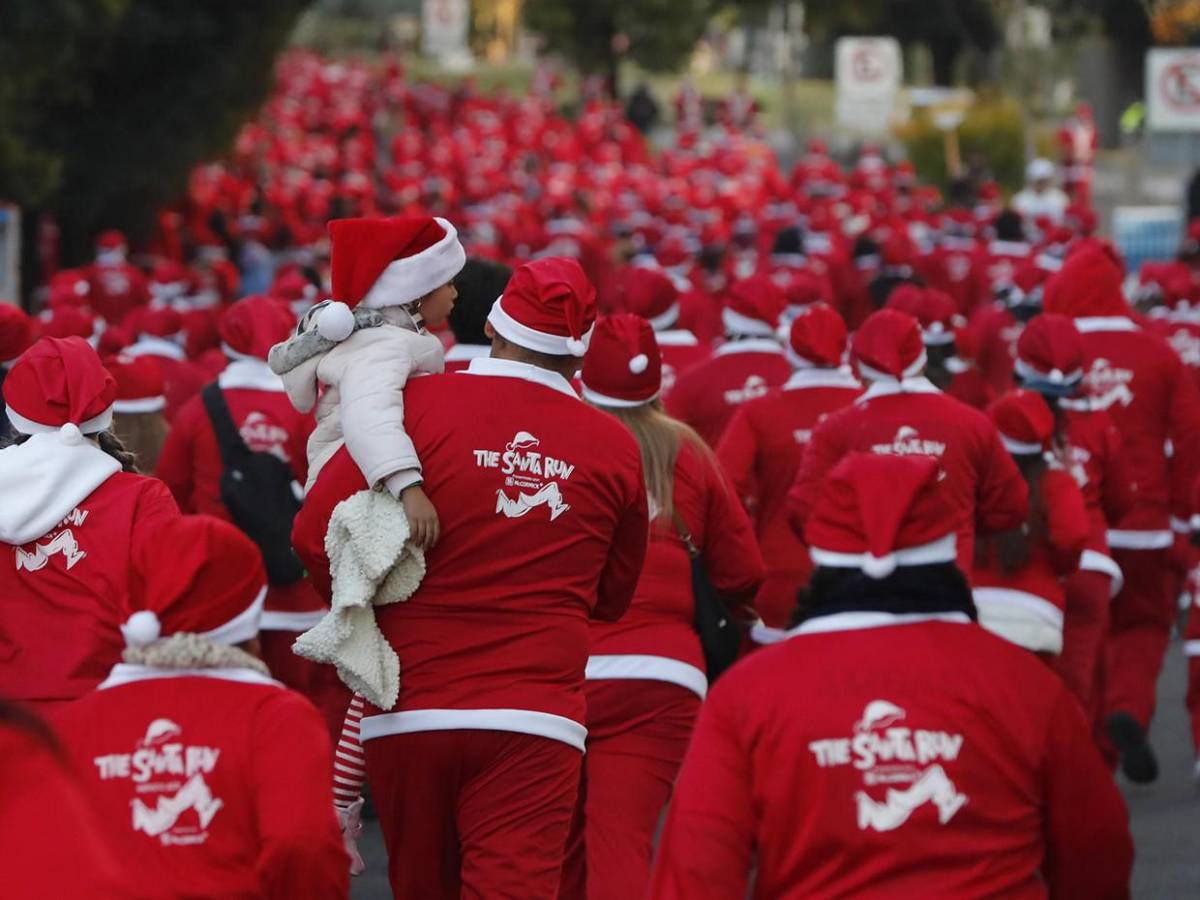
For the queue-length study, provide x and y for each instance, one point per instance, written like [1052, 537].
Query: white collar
[859, 620]
[918, 384]
[149, 345]
[676, 337]
[1089, 324]
[251, 374]
[461, 352]
[509, 368]
[815, 378]
[749, 345]
[1009, 248]
[125, 673]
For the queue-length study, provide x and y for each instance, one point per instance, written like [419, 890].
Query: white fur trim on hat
[937, 335]
[1028, 372]
[914, 368]
[666, 318]
[1019, 448]
[531, 339]
[412, 277]
[736, 323]
[597, 399]
[335, 322]
[942, 550]
[243, 626]
[140, 405]
[93, 425]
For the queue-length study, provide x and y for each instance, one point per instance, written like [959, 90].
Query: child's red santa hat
[139, 384]
[623, 367]
[651, 294]
[889, 346]
[253, 325]
[1024, 421]
[753, 307]
[59, 384]
[16, 333]
[877, 512]
[377, 263]
[549, 306]
[817, 338]
[212, 583]
[933, 309]
[1050, 351]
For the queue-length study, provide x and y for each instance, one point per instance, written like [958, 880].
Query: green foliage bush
[992, 130]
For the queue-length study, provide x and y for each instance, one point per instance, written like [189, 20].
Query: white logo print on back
[888, 752]
[60, 540]
[533, 473]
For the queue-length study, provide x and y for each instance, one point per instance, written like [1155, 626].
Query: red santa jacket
[1027, 604]
[544, 525]
[995, 265]
[66, 592]
[707, 396]
[190, 465]
[988, 492]
[681, 350]
[54, 845]
[938, 761]
[116, 290]
[1134, 375]
[182, 380]
[656, 638]
[761, 452]
[211, 782]
[994, 333]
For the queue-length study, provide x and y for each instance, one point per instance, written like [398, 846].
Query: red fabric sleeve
[1067, 519]
[737, 450]
[732, 557]
[1001, 495]
[176, 463]
[627, 552]
[707, 843]
[1089, 852]
[822, 454]
[300, 852]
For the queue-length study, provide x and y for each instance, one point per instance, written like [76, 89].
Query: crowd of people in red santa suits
[804, 342]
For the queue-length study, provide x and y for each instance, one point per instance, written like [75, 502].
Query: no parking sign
[1173, 90]
[868, 72]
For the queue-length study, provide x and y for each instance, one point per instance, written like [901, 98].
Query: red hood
[1088, 284]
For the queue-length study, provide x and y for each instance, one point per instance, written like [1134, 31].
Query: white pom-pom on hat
[878, 566]
[639, 363]
[1056, 376]
[70, 434]
[141, 628]
[576, 347]
[336, 322]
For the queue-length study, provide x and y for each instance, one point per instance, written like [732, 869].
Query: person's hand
[422, 517]
[350, 818]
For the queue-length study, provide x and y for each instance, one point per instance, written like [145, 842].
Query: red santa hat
[1050, 353]
[386, 262]
[753, 307]
[70, 321]
[253, 325]
[162, 322]
[1088, 284]
[803, 287]
[1024, 421]
[889, 346]
[933, 309]
[169, 280]
[59, 384]
[16, 333]
[817, 337]
[548, 306]
[651, 294]
[877, 512]
[212, 583]
[69, 287]
[623, 366]
[139, 384]
[111, 239]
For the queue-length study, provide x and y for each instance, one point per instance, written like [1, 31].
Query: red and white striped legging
[349, 766]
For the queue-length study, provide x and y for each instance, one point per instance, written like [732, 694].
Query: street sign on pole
[868, 73]
[1173, 89]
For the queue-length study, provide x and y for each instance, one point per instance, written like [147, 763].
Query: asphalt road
[1165, 816]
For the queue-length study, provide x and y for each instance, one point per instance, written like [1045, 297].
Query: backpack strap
[229, 441]
[686, 536]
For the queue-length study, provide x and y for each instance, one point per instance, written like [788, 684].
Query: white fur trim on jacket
[407, 279]
[1095, 561]
[521, 721]
[42, 480]
[249, 373]
[1026, 619]
[371, 564]
[645, 667]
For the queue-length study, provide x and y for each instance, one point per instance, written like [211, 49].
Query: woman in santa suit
[208, 773]
[930, 759]
[73, 514]
[645, 674]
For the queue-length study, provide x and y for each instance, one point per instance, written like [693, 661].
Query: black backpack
[257, 490]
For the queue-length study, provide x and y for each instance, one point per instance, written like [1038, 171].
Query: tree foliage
[107, 104]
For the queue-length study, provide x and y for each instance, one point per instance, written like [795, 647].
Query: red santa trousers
[1140, 629]
[638, 732]
[473, 813]
[1191, 646]
[318, 682]
[1085, 625]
